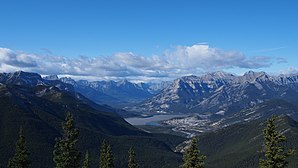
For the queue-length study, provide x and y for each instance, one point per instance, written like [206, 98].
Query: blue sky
[259, 35]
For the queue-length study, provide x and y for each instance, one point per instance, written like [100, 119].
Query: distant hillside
[261, 111]
[240, 145]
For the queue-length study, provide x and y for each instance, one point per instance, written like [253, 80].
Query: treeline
[66, 154]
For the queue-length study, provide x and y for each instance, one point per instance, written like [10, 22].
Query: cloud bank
[173, 63]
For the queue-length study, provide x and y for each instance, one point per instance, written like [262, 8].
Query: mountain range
[113, 93]
[220, 92]
[215, 93]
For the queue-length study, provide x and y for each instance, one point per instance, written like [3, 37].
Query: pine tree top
[192, 157]
[87, 160]
[65, 151]
[274, 150]
[21, 156]
[132, 163]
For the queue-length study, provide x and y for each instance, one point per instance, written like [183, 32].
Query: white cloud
[289, 70]
[173, 63]
[203, 57]
[17, 59]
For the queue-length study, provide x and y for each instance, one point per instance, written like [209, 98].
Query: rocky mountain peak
[22, 74]
[252, 76]
[23, 78]
[255, 74]
[51, 77]
[221, 74]
[68, 80]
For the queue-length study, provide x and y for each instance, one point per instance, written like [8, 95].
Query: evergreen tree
[21, 156]
[274, 152]
[132, 163]
[106, 156]
[86, 163]
[103, 151]
[109, 157]
[192, 157]
[66, 155]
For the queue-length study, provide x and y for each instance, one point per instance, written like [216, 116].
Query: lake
[152, 120]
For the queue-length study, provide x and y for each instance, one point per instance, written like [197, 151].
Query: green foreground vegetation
[67, 155]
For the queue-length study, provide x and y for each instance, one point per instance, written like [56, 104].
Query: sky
[148, 40]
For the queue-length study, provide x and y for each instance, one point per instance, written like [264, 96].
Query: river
[152, 120]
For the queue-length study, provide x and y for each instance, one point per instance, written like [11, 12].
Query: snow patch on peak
[221, 112]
